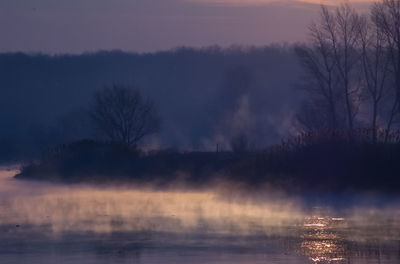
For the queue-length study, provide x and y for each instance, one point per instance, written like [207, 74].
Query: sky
[76, 26]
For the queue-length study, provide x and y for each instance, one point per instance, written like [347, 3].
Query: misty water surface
[47, 223]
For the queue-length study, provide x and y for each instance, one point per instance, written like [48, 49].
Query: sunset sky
[76, 26]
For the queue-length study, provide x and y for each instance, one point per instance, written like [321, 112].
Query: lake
[54, 223]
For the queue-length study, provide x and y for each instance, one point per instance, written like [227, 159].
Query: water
[52, 223]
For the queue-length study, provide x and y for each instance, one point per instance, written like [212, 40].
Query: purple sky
[75, 26]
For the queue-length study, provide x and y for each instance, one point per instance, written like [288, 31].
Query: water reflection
[84, 224]
[321, 242]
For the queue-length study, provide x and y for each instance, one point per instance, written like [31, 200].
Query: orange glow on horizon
[288, 2]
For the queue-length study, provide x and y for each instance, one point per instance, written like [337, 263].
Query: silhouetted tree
[386, 17]
[345, 42]
[331, 60]
[375, 62]
[320, 83]
[123, 115]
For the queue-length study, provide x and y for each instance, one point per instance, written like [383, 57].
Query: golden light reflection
[217, 210]
[321, 243]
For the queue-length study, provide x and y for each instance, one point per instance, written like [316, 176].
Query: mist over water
[109, 209]
[45, 222]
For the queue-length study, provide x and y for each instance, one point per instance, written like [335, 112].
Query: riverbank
[325, 165]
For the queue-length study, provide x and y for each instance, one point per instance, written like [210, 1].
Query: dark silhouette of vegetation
[347, 136]
[123, 115]
[325, 160]
[350, 66]
[194, 89]
[328, 160]
[89, 160]
[330, 61]
[385, 15]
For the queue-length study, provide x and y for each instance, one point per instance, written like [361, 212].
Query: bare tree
[123, 115]
[343, 28]
[350, 56]
[331, 59]
[386, 16]
[320, 83]
[375, 62]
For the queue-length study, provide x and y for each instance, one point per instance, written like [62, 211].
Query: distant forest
[204, 96]
[344, 80]
[286, 114]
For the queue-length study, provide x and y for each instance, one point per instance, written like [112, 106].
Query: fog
[63, 208]
[222, 223]
[176, 131]
[204, 96]
[222, 208]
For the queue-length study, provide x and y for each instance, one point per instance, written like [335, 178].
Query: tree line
[352, 69]
[201, 95]
[352, 66]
